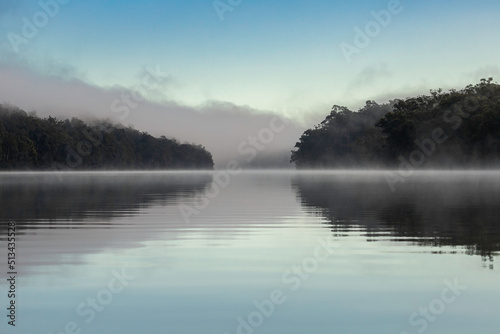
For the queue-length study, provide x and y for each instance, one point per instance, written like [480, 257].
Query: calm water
[260, 252]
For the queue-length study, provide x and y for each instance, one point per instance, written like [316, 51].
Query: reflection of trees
[435, 211]
[78, 197]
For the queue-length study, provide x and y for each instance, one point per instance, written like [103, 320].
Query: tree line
[458, 128]
[28, 142]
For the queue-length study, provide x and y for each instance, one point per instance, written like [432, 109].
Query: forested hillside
[443, 129]
[28, 142]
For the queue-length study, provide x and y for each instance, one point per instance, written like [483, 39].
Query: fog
[255, 138]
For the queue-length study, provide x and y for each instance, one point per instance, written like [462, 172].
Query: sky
[215, 72]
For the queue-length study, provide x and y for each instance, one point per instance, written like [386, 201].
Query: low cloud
[483, 73]
[221, 127]
[370, 75]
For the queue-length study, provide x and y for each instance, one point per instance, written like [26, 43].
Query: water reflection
[428, 209]
[235, 251]
[69, 200]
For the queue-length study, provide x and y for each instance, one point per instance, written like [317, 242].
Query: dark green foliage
[343, 139]
[460, 128]
[30, 142]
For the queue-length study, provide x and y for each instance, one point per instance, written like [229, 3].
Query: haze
[215, 74]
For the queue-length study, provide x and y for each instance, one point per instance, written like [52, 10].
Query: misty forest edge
[28, 142]
[448, 130]
[455, 129]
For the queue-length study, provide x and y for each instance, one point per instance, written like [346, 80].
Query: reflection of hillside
[437, 210]
[83, 196]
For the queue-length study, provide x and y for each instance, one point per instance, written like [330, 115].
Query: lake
[252, 252]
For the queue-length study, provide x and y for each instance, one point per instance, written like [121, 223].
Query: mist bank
[223, 128]
[28, 142]
[444, 130]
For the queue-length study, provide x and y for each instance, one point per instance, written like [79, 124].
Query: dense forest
[28, 142]
[459, 128]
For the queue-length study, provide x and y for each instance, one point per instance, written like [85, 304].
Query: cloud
[153, 83]
[222, 127]
[370, 75]
[484, 72]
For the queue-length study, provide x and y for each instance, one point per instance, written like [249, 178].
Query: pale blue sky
[264, 54]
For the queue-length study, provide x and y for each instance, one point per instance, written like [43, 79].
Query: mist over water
[436, 208]
[249, 167]
[391, 251]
